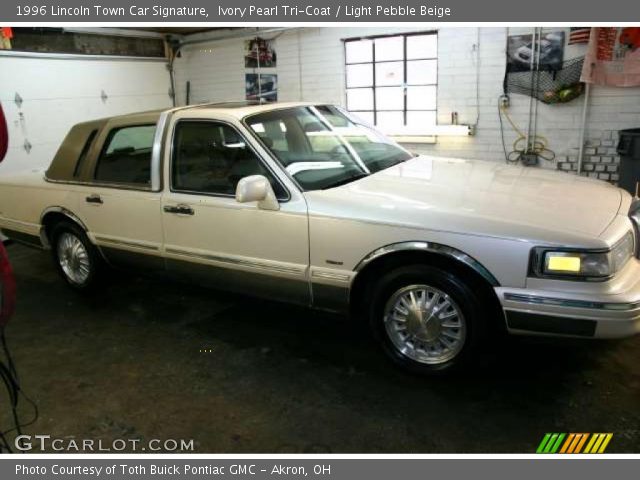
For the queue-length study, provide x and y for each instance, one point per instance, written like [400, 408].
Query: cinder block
[612, 151]
[587, 167]
[601, 151]
[612, 168]
[593, 175]
[589, 151]
[608, 143]
[594, 159]
[615, 177]
[600, 168]
[616, 159]
[603, 176]
[564, 166]
[606, 159]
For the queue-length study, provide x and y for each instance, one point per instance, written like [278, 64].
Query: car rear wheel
[75, 257]
[427, 320]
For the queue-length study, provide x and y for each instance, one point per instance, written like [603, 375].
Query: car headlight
[582, 264]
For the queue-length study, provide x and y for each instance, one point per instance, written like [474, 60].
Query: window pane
[390, 48]
[360, 75]
[390, 73]
[422, 46]
[420, 72]
[390, 119]
[127, 158]
[212, 158]
[421, 98]
[390, 98]
[359, 51]
[418, 119]
[360, 99]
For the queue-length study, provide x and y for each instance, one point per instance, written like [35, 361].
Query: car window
[211, 158]
[126, 159]
[322, 148]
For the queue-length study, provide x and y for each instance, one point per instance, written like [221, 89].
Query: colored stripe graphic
[550, 443]
[574, 443]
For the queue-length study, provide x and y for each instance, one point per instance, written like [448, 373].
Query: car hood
[481, 197]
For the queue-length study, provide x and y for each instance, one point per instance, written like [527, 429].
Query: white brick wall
[311, 67]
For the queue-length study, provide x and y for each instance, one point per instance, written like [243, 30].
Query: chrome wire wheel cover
[425, 324]
[73, 258]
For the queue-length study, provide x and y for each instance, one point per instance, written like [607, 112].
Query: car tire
[426, 320]
[75, 257]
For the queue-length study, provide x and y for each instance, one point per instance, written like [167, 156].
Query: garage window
[391, 81]
[126, 158]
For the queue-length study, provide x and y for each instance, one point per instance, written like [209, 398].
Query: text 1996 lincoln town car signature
[302, 203]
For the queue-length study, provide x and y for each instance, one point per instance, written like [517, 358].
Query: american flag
[579, 35]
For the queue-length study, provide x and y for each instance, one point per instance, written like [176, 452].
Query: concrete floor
[127, 363]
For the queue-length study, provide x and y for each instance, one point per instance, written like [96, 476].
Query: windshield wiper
[344, 181]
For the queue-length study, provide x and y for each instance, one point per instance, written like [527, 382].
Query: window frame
[374, 87]
[172, 156]
[105, 145]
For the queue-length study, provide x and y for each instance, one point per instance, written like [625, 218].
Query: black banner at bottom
[133, 468]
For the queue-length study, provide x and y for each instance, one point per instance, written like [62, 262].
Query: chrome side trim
[114, 185]
[340, 277]
[433, 248]
[238, 262]
[563, 302]
[125, 243]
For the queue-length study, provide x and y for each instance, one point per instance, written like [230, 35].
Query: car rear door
[117, 201]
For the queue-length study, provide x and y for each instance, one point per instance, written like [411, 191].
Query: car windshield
[323, 147]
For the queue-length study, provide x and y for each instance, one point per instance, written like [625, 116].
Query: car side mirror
[256, 188]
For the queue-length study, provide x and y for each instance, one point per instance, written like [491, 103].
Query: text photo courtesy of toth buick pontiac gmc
[304, 203]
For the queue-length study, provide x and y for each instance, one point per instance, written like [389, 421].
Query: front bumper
[552, 316]
[606, 310]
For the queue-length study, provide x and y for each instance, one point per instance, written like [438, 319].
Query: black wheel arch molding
[428, 247]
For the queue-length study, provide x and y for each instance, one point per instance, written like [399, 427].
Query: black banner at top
[314, 11]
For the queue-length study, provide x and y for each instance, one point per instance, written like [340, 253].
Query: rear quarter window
[126, 157]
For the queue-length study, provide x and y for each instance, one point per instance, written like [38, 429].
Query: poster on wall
[259, 53]
[263, 86]
[521, 49]
[613, 57]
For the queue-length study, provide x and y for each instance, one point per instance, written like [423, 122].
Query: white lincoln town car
[304, 203]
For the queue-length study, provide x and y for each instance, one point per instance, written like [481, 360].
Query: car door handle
[94, 199]
[179, 209]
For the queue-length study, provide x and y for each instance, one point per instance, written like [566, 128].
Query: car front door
[211, 237]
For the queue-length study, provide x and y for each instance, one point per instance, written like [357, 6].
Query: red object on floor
[4, 135]
[8, 290]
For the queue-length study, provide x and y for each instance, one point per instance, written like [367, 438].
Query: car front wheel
[426, 319]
